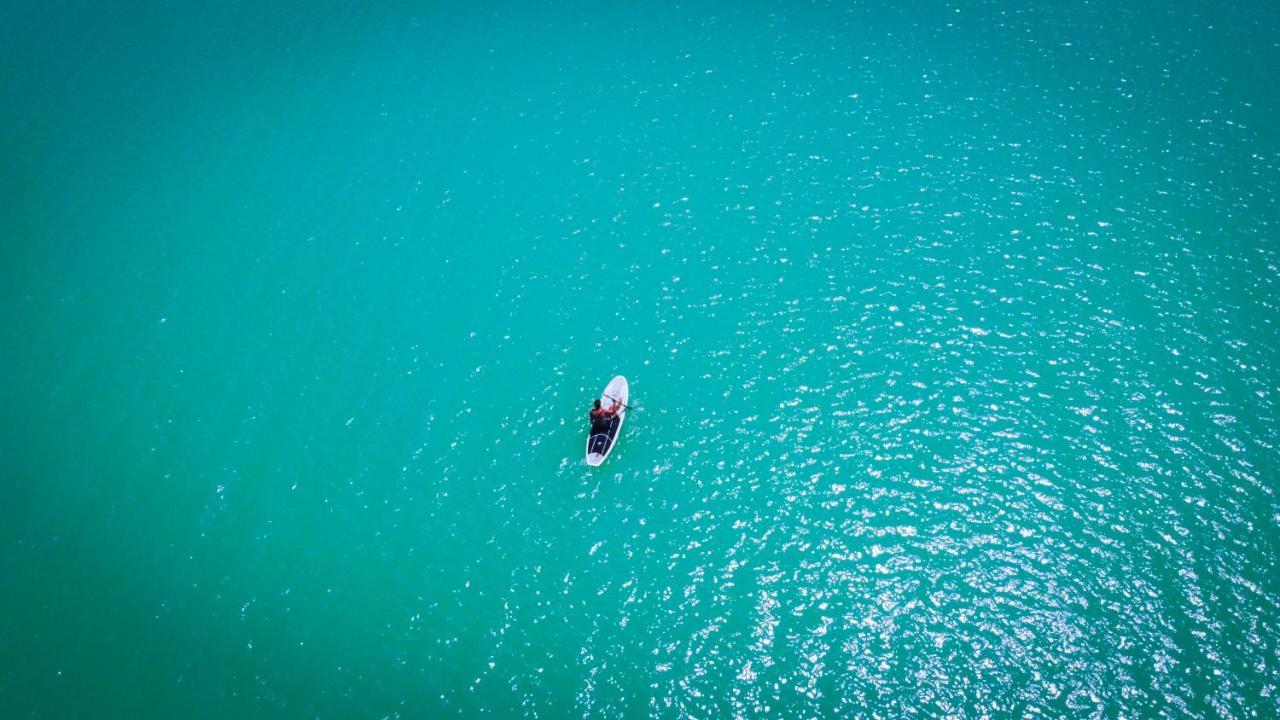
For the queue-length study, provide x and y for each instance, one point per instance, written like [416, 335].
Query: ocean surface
[952, 329]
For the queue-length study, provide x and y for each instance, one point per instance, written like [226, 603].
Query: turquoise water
[952, 330]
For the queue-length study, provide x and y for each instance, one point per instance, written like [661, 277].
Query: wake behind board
[599, 445]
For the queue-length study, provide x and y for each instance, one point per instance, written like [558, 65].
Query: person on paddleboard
[600, 417]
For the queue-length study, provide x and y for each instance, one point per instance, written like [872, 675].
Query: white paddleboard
[599, 445]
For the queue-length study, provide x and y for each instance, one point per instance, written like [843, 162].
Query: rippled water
[952, 330]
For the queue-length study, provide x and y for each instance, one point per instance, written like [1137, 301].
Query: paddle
[621, 403]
